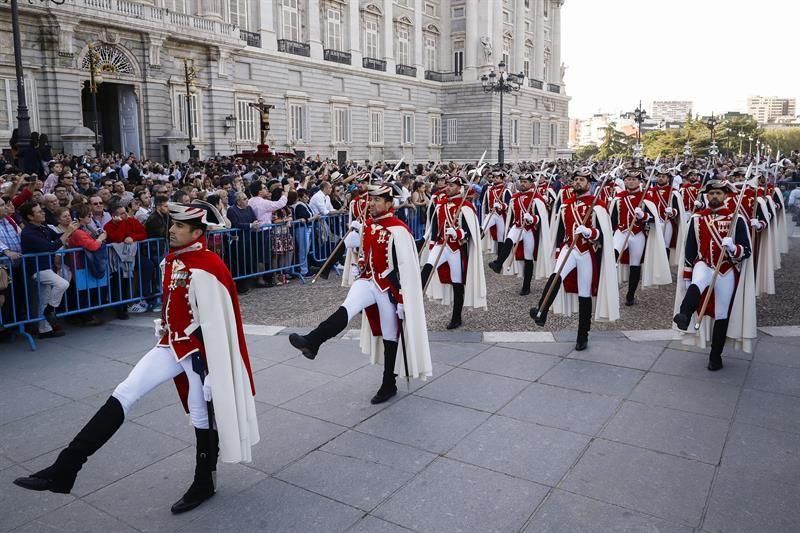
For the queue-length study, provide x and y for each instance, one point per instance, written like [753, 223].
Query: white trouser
[581, 261]
[528, 240]
[724, 287]
[365, 292]
[667, 231]
[499, 222]
[51, 289]
[635, 246]
[449, 256]
[157, 366]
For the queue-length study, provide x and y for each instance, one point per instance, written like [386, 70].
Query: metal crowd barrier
[326, 232]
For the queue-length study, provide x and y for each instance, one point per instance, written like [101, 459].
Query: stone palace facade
[361, 79]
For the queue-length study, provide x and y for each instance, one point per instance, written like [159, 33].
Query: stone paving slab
[534, 436]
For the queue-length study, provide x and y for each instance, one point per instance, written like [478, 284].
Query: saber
[571, 246]
[477, 174]
[405, 355]
[731, 230]
[323, 272]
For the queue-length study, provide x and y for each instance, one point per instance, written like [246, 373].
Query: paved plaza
[630, 435]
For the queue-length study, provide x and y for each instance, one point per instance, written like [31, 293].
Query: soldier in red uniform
[524, 227]
[582, 262]
[711, 237]
[359, 204]
[690, 191]
[629, 215]
[666, 201]
[494, 206]
[201, 347]
[388, 285]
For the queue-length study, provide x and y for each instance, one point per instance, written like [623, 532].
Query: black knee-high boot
[427, 270]
[458, 305]
[584, 322]
[527, 276]
[330, 327]
[688, 306]
[502, 255]
[717, 344]
[539, 313]
[202, 487]
[388, 385]
[635, 274]
[60, 476]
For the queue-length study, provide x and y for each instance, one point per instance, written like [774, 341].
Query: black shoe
[524, 292]
[383, 394]
[584, 322]
[303, 344]
[242, 288]
[60, 476]
[453, 324]
[538, 320]
[630, 300]
[497, 267]
[682, 321]
[52, 334]
[714, 364]
[202, 487]
[49, 313]
[581, 344]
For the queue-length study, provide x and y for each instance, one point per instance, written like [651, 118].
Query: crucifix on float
[263, 109]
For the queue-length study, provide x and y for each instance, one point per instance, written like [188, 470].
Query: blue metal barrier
[326, 232]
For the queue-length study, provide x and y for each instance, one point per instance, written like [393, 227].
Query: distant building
[671, 110]
[767, 109]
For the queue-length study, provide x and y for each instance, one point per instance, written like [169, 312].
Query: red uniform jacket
[626, 205]
[496, 194]
[521, 204]
[448, 215]
[704, 240]
[572, 212]
[376, 250]
[690, 192]
[359, 205]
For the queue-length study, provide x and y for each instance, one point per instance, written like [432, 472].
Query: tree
[615, 143]
[785, 140]
[583, 153]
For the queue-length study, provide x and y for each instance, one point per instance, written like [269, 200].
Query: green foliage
[615, 144]
[670, 143]
[583, 153]
[785, 140]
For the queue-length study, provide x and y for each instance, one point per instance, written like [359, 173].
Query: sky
[713, 52]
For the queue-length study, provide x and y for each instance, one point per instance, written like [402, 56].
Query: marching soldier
[357, 212]
[494, 207]
[454, 263]
[388, 292]
[663, 195]
[201, 347]
[528, 225]
[583, 239]
[717, 233]
[636, 229]
[690, 192]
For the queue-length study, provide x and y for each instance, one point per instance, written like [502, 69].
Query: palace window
[180, 113]
[290, 20]
[403, 54]
[237, 13]
[8, 104]
[452, 130]
[459, 12]
[458, 57]
[514, 131]
[430, 52]
[341, 125]
[553, 134]
[436, 130]
[407, 137]
[371, 41]
[536, 127]
[297, 123]
[376, 127]
[247, 122]
[333, 34]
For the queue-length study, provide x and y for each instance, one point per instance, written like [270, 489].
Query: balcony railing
[374, 64]
[405, 70]
[535, 84]
[294, 47]
[337, 56]
[433, 75]
[251, 38]
[553, 88]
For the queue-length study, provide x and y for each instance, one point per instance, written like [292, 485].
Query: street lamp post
[712, 123]
[95, 79]
[741, 138]
[639, 115]
[750, 145]
[190, 75]
[23, 117]
[505, 83]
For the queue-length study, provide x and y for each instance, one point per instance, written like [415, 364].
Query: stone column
[496, 32]
[555, 62]
[266, 25]
[419, 45]
[538, 52]
[354, 30]
[314, 33]
[388, 36]
[473, 50]
[519, 36]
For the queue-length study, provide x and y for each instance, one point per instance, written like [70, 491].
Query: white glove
[352, 240]
[583, 230]
[356, 225]
[528, 218]
[729, 245]
[498, 206]
[698, 203]
[639, 213]
[355, 271]
[159, 328]
[451, 232]
[207, 389]
[755, 223]
[669, 211]
[401, 312]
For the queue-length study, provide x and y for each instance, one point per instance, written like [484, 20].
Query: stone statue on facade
[263, 110]
[486, 41]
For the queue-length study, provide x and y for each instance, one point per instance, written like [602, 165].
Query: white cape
[543, 266]
[765, 268]
[655, 263]
[415, 329]
[234, 406]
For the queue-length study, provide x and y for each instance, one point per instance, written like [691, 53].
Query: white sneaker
[138, 307]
